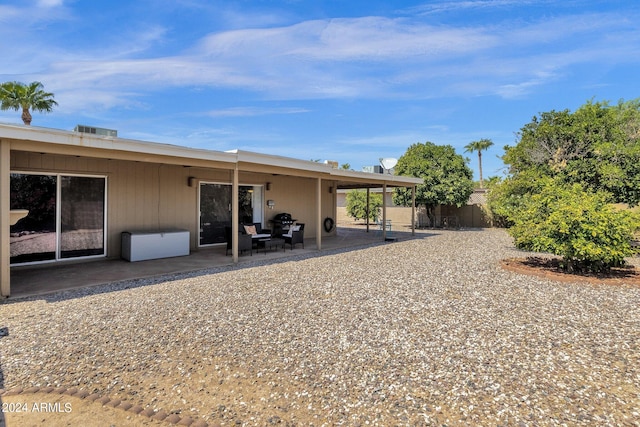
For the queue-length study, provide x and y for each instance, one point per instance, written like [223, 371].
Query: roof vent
[332, 163]
[96, 131]
[373, 169]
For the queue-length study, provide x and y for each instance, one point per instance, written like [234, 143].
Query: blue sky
[350, 81]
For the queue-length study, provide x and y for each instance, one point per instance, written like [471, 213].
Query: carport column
[413, 210]
[367, 210]
[5, 257]
[234, 214]
[319, 213]
[384, 211]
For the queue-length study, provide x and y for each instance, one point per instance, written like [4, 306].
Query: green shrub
[357, 205]
[582, 227]
[505, 197]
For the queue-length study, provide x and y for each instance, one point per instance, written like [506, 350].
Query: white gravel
[428, 331]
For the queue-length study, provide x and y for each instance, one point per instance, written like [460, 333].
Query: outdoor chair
[257, 225]
[295, 235]
[258, 234]
[245, 242]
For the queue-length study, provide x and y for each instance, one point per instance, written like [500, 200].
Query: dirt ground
[548, 268]
[59, 410]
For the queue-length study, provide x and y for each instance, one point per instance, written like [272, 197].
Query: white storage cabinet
[154, 244]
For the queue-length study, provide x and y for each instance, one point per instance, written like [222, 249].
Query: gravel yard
[428, 331]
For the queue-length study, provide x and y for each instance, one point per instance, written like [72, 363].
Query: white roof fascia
[307, 165]
[79, 139]
[280, 161]
[377, 177]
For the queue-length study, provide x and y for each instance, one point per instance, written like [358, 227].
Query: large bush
[357, 205]
[582, 227]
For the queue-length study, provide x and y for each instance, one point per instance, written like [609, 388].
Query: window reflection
[215, 212]
[81, 216]
[33, 238]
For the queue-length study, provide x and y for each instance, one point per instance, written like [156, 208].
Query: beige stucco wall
[297, 196]
[400, 217]
[144, 196]
[466, 216]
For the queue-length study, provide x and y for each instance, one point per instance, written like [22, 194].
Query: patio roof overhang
[55, 141]
[71, 143]
[343, 179]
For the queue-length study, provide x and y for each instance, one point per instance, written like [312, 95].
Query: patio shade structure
[102, 186]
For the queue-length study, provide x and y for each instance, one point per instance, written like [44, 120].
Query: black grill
[281, 223]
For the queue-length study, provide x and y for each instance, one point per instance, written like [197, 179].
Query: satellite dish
[388, 163]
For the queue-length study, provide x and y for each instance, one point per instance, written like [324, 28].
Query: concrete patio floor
[34, 280]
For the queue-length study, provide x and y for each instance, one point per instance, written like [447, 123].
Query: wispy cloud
[449, 6]
[49, 3]
[254, 111]
[366, 57]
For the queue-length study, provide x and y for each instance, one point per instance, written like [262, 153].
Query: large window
[66, 217]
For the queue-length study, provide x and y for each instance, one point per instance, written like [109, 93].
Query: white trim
[79, 139]
[233, 157]
[58, 216]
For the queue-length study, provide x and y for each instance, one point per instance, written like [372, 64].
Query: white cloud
[374, 39]
[460, 5]
[254, 111]
[373, 57]
[50, 3]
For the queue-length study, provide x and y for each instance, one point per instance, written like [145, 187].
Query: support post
[319, 213]
[5, 221]
[367, 209]
[235, 188]
[384, 211]
[413, 210]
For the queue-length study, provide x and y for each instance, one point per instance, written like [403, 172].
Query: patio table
[272, 243]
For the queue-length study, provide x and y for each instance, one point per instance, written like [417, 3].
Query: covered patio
[83, 194]
[43, 279]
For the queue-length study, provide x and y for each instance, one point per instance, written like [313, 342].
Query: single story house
[72, 195]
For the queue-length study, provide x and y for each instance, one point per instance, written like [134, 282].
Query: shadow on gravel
[115, 286]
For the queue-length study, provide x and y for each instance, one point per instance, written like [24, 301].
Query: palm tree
[478, 146]
[16, 96]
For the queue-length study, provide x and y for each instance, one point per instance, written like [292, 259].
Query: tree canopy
[19, 96]
[447, 178]
[357, 205]
[597, 146]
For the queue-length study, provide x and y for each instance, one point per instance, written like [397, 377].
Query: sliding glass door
[33, 238]
[215, 212]
[66, 219]
[215, 209]
[82, 216]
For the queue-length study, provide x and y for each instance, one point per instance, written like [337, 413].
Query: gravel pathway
[429, 331]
